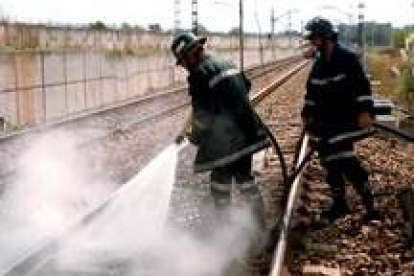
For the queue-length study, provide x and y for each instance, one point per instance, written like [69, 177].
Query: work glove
[314, 141]
[308, 123]
[180, 138]
[310, 52]
[364, 119]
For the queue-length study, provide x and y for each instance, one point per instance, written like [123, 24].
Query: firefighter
[337, 112]
[222, 124]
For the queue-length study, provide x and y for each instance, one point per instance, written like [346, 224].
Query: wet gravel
[350, 244]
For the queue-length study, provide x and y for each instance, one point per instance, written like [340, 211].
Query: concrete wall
[26, 36]
[41, 85]
[37, 87]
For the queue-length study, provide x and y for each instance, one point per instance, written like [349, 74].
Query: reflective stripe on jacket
[337, 92]
[225, 126]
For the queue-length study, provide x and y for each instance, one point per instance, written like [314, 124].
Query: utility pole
[194, 16]
[177, 14]
[348, 29]
[361, 31]
[272, 31]
[241, 35]
[412, 24]
[290, 28]
[240, 32]
[274, 19]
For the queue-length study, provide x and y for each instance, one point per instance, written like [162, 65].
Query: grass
[380, 64]
[398, 88]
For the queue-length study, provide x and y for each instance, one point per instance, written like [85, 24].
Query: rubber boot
[223, 212]
[368, 200]
[221, 193]
[253, 200]
[257, 252]
[257, 257]
[258, 212]
[338, 209]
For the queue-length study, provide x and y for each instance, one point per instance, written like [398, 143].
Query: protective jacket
[225, 127]
[337, 92]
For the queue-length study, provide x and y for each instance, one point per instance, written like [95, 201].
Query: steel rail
[142, 100]
[394, 130]
[259, 96]
[301, 158]
[279, 254]
[88, 113]
[32, 254]
[71, 118]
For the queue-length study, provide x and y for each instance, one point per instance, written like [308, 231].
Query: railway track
[98, 125]
[191, 208]
[32, 258]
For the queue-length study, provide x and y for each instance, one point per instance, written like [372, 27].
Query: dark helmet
[184, 43]
[321, 27]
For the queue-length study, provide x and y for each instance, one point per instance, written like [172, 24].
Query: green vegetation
[399, 36]
[406, 87]
[398, 88]
[155, 27]
[380, 64]
[98, 26]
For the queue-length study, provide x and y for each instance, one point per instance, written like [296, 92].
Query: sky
[215, 15]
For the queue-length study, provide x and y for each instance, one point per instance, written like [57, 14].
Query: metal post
[85, 96]
[115, 74]
[194, 16]
[373, 26]
[44, 99]
[259, 36]
[177, 12]
[65, 73]
[361, 31]
[101, 85]
[16, 91]
[241, 35]
[126, 76]
[290, 28]
[348, 29]
[272, 32]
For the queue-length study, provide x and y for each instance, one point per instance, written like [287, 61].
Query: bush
[406, 88]
[399, 36]
[98, 26]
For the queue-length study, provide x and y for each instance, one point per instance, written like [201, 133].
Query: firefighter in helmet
[338, 111]
[222, 124]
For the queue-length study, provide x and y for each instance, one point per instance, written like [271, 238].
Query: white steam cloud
[131, 237]
[128, 235]
[53, 186]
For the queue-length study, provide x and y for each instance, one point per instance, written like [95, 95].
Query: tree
[202, 29]
[234, 31]
[399, 36]
[156, 27]
[126, 26]
[139, 28]
[98, 25]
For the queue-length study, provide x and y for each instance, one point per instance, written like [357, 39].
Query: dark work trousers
[221, 182]
[222, 178]
[340, 163]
